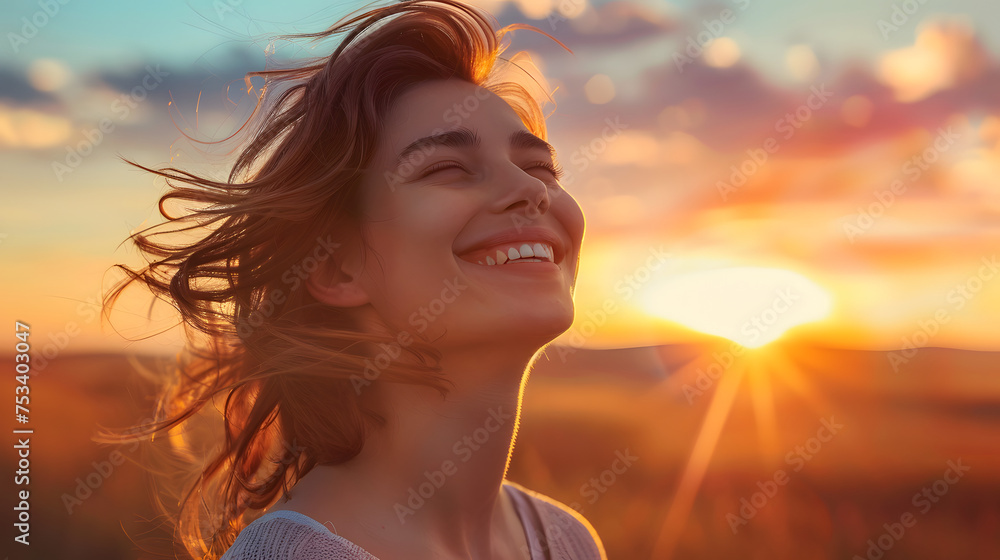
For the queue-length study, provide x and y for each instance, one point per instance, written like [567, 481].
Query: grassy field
[789, 452]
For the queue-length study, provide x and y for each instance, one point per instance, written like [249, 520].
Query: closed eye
[441, 167]
[553, 168]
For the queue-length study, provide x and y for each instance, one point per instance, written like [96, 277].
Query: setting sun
[748, 305]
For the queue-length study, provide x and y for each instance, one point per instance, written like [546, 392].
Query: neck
[434, 472]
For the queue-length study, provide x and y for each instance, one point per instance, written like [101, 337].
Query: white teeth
[536, 252]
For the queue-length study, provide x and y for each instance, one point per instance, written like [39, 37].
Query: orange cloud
[945, 54]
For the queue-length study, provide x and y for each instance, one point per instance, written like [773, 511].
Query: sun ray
[701, 454]
[762, 395]
[791, 375]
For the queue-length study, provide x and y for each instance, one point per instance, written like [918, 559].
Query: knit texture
[553, 531]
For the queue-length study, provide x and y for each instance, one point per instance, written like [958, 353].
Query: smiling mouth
[512, 253]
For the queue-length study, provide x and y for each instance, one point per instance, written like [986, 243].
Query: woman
[388, 256]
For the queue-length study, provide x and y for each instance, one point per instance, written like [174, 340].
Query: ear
[336, 283]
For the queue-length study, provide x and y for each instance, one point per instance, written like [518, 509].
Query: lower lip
[530, 268]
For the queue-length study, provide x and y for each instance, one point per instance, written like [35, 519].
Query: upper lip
[521, 235]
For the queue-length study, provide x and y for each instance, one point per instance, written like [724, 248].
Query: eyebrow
[464, 138]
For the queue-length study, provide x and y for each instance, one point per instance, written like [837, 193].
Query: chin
[524, 325]
[534, 328]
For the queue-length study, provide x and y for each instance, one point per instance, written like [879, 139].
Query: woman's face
[471, 238]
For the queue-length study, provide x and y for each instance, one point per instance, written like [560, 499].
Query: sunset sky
[832, 167]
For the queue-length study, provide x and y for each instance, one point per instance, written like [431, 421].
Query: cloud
[28, 128]
[739, 105]
[15, 87]
[946, 53]
[612, 25]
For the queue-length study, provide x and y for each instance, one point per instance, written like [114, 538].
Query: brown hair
[288, 366]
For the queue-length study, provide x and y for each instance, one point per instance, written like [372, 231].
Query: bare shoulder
[567, 531]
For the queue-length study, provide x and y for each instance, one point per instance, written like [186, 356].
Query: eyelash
[554, 168]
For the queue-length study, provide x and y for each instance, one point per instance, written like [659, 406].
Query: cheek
[570, 215]
[426, 224]
[411, 254]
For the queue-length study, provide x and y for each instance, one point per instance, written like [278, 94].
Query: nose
[521, 191]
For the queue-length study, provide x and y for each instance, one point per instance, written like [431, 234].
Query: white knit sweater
[553, 530]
